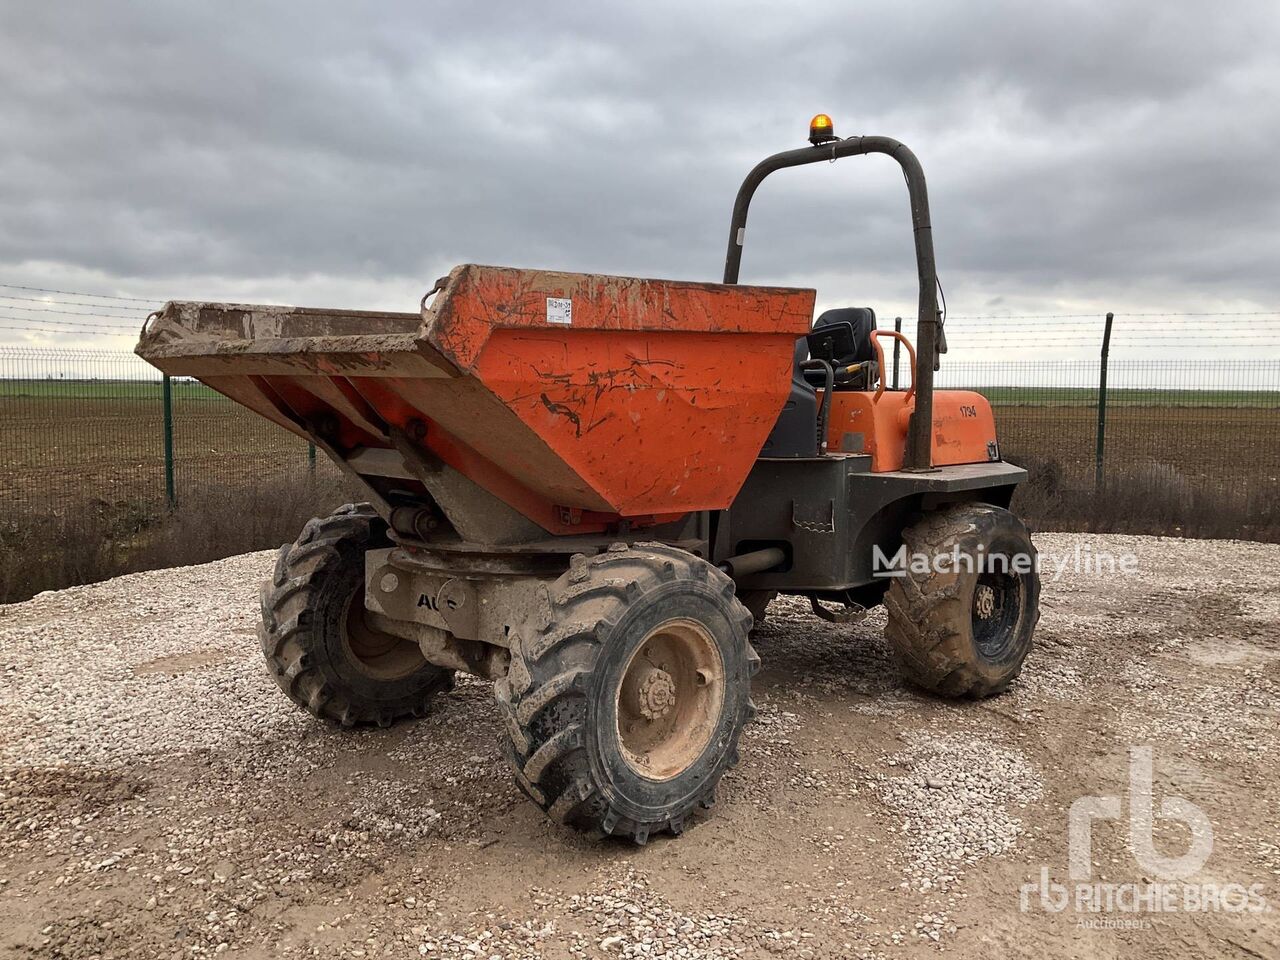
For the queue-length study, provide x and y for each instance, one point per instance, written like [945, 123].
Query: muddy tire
[318, 647]
[628, 690]
[966, 632]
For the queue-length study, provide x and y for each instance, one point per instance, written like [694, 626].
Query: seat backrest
[862, 320]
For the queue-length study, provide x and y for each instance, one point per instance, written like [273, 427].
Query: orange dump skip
[566, 395]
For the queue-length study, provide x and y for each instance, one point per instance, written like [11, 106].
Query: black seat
[843, 336]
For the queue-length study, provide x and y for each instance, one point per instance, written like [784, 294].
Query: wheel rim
[998, 601]
[670, 698]
[378, 655]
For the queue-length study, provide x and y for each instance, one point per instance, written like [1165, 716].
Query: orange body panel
[655, 397]
[964, 429]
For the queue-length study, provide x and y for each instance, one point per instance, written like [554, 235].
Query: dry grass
[92, 541]
[1146, 498]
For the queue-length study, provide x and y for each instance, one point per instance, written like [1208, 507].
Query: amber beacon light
[821, 130]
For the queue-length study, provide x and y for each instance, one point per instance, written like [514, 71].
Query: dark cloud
[1076, 152]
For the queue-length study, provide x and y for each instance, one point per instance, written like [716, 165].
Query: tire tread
[543, 699]
[289, 628]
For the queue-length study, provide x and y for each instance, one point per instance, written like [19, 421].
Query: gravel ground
[160, 798]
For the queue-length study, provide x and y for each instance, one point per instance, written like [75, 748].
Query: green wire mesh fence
[99, 427]
[102, 427]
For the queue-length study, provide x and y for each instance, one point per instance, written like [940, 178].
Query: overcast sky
[1081, 156]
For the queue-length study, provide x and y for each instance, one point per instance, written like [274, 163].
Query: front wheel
[962, 615]
[628, 689]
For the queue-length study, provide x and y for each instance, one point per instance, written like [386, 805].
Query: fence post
[897, 347]
[311, 458]
[1100, 454]
[170, 492]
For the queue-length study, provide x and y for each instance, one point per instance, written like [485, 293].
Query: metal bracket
[852, 612]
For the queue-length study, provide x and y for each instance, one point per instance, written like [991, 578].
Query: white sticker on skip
[559, 310]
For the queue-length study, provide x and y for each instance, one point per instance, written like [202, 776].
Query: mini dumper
[587, 489]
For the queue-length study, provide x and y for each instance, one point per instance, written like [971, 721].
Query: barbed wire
[70, 313]
[77, 303]
[1098, 315]
[90, 324]
[1191, 322]
[994, 336]
[89, 332]
[1102, 315]
[78, 293]
[1012, 331]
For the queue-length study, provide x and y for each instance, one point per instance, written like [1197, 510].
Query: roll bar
[919, 433]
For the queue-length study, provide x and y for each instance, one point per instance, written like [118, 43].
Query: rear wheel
[965, 632]
[628, 690]
[322, 652]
